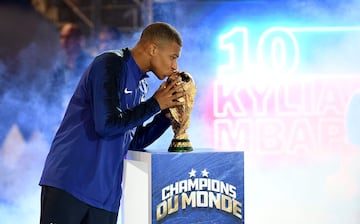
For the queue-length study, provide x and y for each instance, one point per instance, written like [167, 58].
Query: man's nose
[174, 65]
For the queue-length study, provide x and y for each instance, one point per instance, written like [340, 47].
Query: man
[107, 38]
[73, 59]
[71, 41]
[81, 180]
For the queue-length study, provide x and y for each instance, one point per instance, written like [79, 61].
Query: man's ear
[153, 49]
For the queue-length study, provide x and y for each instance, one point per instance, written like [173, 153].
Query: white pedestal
[202, 186]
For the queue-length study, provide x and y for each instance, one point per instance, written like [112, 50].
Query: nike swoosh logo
[126, 91]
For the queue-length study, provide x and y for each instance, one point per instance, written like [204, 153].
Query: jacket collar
[132, 64]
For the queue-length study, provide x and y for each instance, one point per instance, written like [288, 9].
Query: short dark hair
[160, 31]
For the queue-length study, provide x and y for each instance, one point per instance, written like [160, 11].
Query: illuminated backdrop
[269, 99]
[277, 79]
[280, 80]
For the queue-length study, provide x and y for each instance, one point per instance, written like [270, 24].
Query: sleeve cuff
[153, 104]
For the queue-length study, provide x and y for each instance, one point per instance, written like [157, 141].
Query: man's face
[107, 41]
[70, 40]
[164, 60]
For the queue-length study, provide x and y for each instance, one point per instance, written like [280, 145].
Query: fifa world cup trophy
[180, 115]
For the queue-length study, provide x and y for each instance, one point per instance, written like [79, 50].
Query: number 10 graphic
[277, 49]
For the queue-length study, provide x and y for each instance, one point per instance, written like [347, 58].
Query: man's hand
[169, 93]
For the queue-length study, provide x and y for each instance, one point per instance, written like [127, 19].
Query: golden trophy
[180, 115]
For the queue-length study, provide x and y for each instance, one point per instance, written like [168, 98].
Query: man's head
[162, 44]
[70, 38]
[108, 38]
[161, 33]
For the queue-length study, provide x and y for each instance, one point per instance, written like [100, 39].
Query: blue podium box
[202, 186]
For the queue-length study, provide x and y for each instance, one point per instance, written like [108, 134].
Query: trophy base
[180, 145]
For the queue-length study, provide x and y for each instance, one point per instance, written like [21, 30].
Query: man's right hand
[169, 93]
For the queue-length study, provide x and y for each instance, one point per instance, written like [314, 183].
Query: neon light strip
[323, 29]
